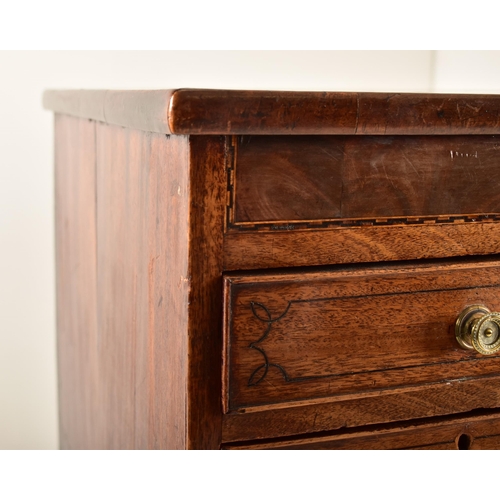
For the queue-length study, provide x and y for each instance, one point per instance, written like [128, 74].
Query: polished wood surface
[129, 396]
[207, 188]
[353, 410]
[138, 364]
[252, 269]
[479, 432]
[296, 336]
[224, 112]
[142, 228]
[80, 424]
[285, 180]
[286, 247]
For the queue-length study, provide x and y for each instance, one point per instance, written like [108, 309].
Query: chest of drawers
[277, 269]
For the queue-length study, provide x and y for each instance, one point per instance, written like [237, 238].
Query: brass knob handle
[478, 328]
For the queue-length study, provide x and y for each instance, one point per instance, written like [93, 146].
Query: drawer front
[474, 433]
[321, 200]
[295, 337]
[296, 182]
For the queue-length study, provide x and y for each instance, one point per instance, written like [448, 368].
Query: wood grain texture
[142, 268]
[369, 243]
[219, 112]
[140, 225]
[296, 336]
[76, 279]
[312, 178]
[206, 223]
[271, 112]
[149, 227]
[350, 411]
[469, 433]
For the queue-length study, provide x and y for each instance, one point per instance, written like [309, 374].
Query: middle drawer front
[293, 337]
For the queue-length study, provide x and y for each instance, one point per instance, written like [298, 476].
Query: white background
[28, 387]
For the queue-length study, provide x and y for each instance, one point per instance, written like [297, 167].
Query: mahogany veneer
[275, 269]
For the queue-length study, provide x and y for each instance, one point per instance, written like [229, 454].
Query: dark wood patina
[251, 269]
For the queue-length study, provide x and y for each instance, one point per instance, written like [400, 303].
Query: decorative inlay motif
[327, 224]
[261, 371]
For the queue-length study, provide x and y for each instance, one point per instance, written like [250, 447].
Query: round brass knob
[478, 328]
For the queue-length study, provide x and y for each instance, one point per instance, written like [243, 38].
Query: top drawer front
[320, 200]
[350, 180]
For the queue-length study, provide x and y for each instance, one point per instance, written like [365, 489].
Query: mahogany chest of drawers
[250, 269]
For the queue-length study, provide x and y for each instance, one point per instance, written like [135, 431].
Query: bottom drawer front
[297, 336]
[475, 433]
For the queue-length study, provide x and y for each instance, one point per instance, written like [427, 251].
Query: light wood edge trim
[146, 110]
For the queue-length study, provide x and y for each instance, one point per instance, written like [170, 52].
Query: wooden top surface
[194, 111]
